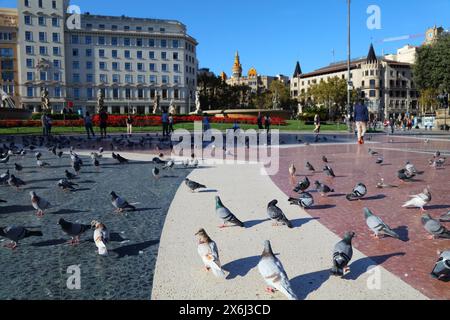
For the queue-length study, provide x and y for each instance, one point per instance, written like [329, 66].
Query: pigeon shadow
[297, 223]
[68, 211]
[144, 209]
[43, 180]
[34, 188]
[208, 191]
[252, 223]
[403, 233]
[359, 267]
[377, 197]
[169, 177]
[116, 237]
[438, 206]
[81, 189]
[336, 195]
[15, 209]
[307, 283]
[49, 243]
[88, 181]
[240, 267]
[134, 249]
[322, 207]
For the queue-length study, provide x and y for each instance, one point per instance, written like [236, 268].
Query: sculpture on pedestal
[156, 104]
[100, 101]
[172, 109]
[276, 100]
[45, 100]
[198, 109]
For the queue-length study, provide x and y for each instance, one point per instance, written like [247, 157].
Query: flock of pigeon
[271, 268]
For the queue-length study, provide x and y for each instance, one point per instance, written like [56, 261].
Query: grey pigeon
[120, 204]
[304, 200]
[309, 166]
[342, 254]
[273, 273]
[226, 215]
[4, 177]
[13, 181]
[70, 175]
[3, 201]
[155, 172]
[39, 203]
[377, 225]
[4, 160]
[18, 167]
[324, 159]
[302, 185]
[445, 217]
[169, 165]
[74, 230]
[277, 215]
[15, 234]
[323, 189]
[42, 164]
[434, 227]
[379, 160]
[66, 185]
[405, 175]
[329, 172]
[193, 185]
[441, 270]
[358, 192]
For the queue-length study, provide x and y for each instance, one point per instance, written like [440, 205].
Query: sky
[271, 35]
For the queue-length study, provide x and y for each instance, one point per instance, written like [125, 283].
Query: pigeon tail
[391, 233]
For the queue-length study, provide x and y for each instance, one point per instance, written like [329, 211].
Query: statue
[172, 109]
[6, 100]
[45, 100]
[198, 109]
[100, 101]
[275, 100]
[156, 104]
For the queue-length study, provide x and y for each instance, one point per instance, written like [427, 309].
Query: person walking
[235, 126]
[392, 124]
[165, 123]
[44, 124]
[267, 122]
[317, 123]
[260, 121]
[103, 123]
[171, 129]
[129, 125]
[88, 125]
[205, 123]
[361, 118]
[49, 125]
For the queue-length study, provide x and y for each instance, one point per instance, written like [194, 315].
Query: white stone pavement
[305, 251]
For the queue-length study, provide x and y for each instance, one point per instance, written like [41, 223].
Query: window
[372, 93]
[101, 40]
[28, 20]
[115, 66]
[116, 78]
[163, 43]
[176, 68]
[176, 94]
[128, 78]
[151, 43]
[139, 42]
[140, 78]
[102, 65]
[165, 79]
[75, 65]
[76, 77]
[127, 66]
[27, 3]
[164, 93]
[127, 42]
[177, 79]
[115, 93]
[175, 44]
[175, 56]
[128, 93]
[114, 53]
[57, 63]
[372, 84]
[164, 55]
[101, 26]
[57, 76]
[29, 50]
[152, 67]
[42, 37]
[88, 40]
[89, 65]
[127, 54]
[55, 37]
[90, 92]
[54, 4]
[103, 78]
[41, 21]
[30, 92]
[43, 51]
[162, 29]
[88, 25]
[57, 92]
[139, 54]
[75, 52]
[43, 76]
[153, 79]
[151, 55]
[89, 77]
[140, 94]
[30, 76]
[164, 67]
[40, 3]
[88, 52]
[28, 36]
[76, 93]
[74, 39]
[101, 53]
[126, 28]
[140, 66]
[114, 27]
[114, 41]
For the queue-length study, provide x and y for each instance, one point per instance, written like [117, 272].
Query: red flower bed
[143, 121]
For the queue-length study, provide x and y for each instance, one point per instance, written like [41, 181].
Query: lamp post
[349, 83]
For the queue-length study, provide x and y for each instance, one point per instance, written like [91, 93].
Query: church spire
[371, 57]
[237, 67]
[298, 70]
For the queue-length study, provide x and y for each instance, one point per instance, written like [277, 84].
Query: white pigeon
[101, 237]
[419, 200]
[207, 250]
[273, 273]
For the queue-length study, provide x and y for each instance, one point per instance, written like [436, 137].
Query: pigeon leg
[275, 224]
[431, 237]
[270, 290]
[206, 269]
[224, 225]
[346, 270]
[12, 245]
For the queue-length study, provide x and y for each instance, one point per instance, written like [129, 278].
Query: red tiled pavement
[411, 260]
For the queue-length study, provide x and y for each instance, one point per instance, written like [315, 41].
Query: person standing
[205, 123]
[44, 124]
[171, 124]
[88, 125]
[267, 122]
[165, 123]
[392, 124]
[317, 123]
[361, 119]
[260, 121]
[129, 125]
[49, 125]
[103, 123]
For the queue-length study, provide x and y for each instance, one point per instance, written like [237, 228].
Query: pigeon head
[348, 236]
[273, 203]
[367, 213]
[203, 236]
[62, 222]
[32, 194]
[219, 203]
[267, 249]
[426, 217]
[317, 183]
[113, 195]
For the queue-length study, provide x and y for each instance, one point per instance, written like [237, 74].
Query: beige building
[385, 84]
[9, 67]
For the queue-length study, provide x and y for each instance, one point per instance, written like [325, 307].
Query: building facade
[386, 85]
[131, 61]
[9, 68]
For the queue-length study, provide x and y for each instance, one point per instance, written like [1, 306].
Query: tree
[428, 100]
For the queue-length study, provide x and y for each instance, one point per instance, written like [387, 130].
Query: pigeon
[96, 163]
[5, 159]
[95, 155]
[193, 185]
[434, 227]
[120, 204]
[445, 217]
[382, 185]
[3, 201]
[309, 166]
[292, 170]
[169, 165]
[377, 225]
[42, 164]
[277, 215]
[74, 230]
[372, 152]
[419, 200]
[15, 234]
[437, 162]
[329, 172]
[305, 200]
[101, 237]
[324, 159]
[302, 185]
[121, 159]
[194, 163]
[66, 185]
[405, 175]
[441, 270]
[208, 252]
[155, 172]
[380, 160]
[70, 175]
[39, 203]
[409, 167]
[18, 167]
[273, 273]
[358, 192]
[38, 155]
[342, 254]
[13, 181]
[323, 188]
[226, 215]
[157, 160]
[60, 154]
[76, 166]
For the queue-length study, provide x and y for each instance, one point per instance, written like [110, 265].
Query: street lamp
[349, 85]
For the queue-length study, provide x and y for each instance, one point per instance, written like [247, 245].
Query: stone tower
[237, 67]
